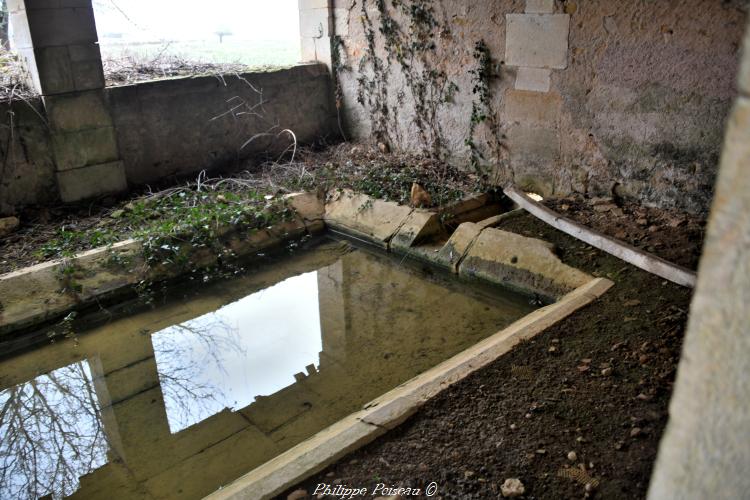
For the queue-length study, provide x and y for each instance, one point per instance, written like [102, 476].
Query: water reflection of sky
[250, 347]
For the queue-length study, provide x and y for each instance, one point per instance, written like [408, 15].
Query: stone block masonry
[57, 40]
[537, 40]
[316, 25]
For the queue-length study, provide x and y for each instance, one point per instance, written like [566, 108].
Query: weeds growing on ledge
[196, 212]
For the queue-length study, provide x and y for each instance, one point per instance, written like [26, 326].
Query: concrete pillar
[316, 30]
[57, 41]
[705, 452]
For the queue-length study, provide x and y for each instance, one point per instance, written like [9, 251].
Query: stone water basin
[178, 399]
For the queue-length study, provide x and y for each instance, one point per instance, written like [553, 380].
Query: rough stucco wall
[27, 171]
[182, 126]
[638, 112]
[705, 452]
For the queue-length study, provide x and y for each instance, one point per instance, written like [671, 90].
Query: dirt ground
[584, 403]
[669, 234]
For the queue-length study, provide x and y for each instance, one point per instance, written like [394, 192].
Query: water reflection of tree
[51, 428]
[50, 434]
[185, 353]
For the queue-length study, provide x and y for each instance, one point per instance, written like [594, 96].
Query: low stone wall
[181, 126]
[173, 128]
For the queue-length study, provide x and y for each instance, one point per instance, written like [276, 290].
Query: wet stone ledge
[41, 293]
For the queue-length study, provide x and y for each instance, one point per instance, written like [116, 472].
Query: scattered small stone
[564, 207]
[512, 488]
[117, 214]
[572, 456]
[583, 368]
[513, 427]
[619, 344]
[528, 415]
[383, 147]
[632, 303]
[635, 432]
[643, 359]
[8, 225]
[617, 211]
[468, 474]
[541, 451]
[331, 474]
[581, 439]
[606, 372]
[353, 461]
[644, 397]
[221, 198]
[590, 487]
[297, 495]
[552, 349]
[586, 361]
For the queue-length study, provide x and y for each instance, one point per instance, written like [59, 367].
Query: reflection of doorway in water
[250, 347]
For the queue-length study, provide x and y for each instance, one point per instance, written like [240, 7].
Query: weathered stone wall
[172, 128]
[182, 126]
[634, 105]
[705, 452]
[27, 170]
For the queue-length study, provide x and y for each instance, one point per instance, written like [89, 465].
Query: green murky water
[175, 401]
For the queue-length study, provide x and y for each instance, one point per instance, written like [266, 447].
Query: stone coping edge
[37, 294]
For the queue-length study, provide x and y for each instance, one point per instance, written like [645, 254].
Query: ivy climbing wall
[598, 97]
